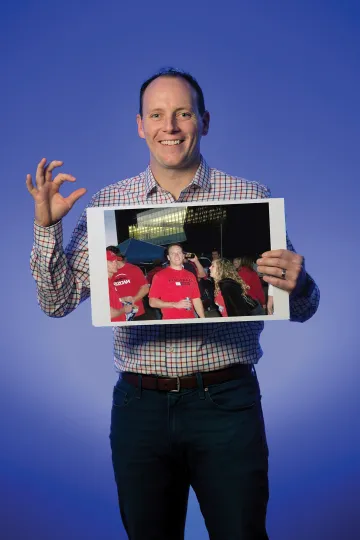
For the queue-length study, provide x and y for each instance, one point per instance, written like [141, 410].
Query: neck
[180, 267]
[174, 180]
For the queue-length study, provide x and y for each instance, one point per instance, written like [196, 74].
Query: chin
[173, 163]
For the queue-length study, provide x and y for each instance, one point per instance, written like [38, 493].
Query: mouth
[172, 142]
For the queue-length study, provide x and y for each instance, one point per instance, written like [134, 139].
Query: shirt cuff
[302, 285]
[47, 237]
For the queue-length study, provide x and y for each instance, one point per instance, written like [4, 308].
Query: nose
[170, 124]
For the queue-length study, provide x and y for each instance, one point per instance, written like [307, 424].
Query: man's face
[112, 268]
[215, 255]
[176, 256]
[171, 123]
[119, 263]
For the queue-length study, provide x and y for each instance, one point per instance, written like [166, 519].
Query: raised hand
[50, 205]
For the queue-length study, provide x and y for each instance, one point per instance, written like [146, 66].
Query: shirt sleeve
[305, 298]
[140, 278]
[195, 291]
[61, 276]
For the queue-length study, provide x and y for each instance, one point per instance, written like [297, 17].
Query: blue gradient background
[281, 80]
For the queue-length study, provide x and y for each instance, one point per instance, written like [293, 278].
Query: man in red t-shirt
[127, 287]
[175, 290]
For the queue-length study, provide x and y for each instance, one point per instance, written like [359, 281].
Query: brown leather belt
[174, 384]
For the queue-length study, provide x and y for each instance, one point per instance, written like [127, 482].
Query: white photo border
[100, 304]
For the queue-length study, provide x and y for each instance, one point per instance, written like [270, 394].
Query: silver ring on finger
[283, 273]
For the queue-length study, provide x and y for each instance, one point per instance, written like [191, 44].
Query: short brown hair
[174, 72]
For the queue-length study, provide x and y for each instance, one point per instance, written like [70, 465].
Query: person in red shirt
[245, 269]
[127, 287]
[175, 290]
[118, 310]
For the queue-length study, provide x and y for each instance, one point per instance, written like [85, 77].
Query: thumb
[75, 196]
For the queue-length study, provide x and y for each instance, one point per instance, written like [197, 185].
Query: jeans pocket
[235, 395]
[123, 395]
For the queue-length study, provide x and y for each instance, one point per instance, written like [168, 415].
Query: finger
[30, 186]
[49, 168]
[284, 284]
[40, 176]
[281, 262]
[75, 196]
[290, 273]
[273, 253]
[283, 254]
[62, 177]
[271, 262]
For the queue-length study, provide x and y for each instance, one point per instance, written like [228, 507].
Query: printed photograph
[184, 263]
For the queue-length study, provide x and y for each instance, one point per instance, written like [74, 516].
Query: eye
[155, 115]
[185, 115]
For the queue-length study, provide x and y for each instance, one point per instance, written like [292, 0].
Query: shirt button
[170, 349]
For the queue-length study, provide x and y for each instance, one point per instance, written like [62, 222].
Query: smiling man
[175, 290]
[186, 408]
[172, 120]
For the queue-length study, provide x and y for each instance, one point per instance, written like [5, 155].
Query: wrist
[45, 224]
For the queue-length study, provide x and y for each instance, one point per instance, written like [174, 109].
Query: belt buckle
[177, 389]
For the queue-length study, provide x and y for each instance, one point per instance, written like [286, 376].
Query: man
[118, 310]
[215, 255]
[175, 290]
[191, 412]
[127, 287]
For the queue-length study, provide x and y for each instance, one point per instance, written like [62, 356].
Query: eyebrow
[159, 109]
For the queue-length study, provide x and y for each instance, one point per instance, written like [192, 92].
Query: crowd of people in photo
[184, 286]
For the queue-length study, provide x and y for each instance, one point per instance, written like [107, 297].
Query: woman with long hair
[230, 290]
[245, 269]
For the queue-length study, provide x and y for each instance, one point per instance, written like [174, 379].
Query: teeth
[170, 143]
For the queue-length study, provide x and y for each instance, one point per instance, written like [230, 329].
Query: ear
[140, 126]
[206, 122]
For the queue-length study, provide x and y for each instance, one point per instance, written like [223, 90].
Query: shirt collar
[201, 179]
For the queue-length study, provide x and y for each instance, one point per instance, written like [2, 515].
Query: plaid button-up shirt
[62, 278]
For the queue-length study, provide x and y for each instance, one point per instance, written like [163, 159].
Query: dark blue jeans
[210, 438]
